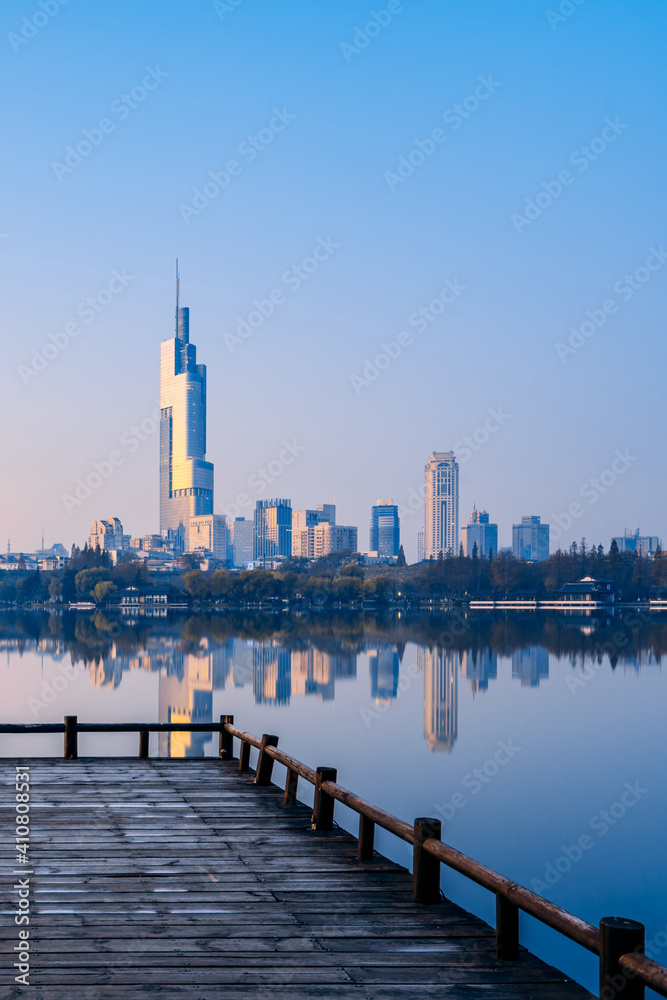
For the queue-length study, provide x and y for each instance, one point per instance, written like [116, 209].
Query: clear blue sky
[552, 86]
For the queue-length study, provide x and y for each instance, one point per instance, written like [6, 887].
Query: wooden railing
[619, 943]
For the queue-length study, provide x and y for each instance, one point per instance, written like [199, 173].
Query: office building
[208, 535]
[241, 534]
[108, 535]
[441, 505]
[186, 478]
[385, 536]
[331, 538]
[530, 539]
[272, 529]
[420, 545]
[303, 523]
[644, 545]
[479, 532]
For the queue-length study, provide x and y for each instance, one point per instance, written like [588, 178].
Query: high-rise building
[632, 541]
[241, 533]
[441, 505]
[530, 539]
[186, 478]
[420, 545]
[273, 529]
[479, 532]
[330, 538]
[208, 534]
[303, 524]
[385, 536]
[108, 535]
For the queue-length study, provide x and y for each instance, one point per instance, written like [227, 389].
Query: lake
[540, 741]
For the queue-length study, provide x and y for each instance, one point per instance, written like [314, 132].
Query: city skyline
[468, 325]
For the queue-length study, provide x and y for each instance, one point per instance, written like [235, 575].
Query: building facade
[479, 532]
[186, 478]
[331, 538]
[530, 539]
[644, 545]
[241, 534]
[208, 534]
[273, 529]
[108, 534]
[441, 505]
[303, 525]
[385, 534]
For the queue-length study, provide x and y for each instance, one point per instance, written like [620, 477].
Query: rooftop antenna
[178, 291]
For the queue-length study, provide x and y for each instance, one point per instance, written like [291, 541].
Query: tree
[401, 557]
[475, 553]
[103, 590]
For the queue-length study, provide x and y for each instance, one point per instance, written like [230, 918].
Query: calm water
[540, 742]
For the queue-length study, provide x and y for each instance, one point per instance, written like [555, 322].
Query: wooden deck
[168, 878]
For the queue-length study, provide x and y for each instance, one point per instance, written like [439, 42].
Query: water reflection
[281, 657]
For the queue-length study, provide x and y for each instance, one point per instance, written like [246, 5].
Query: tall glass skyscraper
[385, 533]
[186, 478]
[441, 505]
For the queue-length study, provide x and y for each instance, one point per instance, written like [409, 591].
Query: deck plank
[164, 878]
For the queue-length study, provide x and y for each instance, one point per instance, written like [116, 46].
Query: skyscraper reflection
[440, 669]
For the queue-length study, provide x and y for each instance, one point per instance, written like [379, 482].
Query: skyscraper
[273, 529]
[186, 478]
[479, 532]
[530, 539]
[385, 536]
[441, 505]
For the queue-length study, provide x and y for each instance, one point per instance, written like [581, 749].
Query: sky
[467, 193]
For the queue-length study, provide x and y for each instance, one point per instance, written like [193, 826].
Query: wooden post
[507, 929]
[226, 739]
[71, 738]
[366, 838]
[144, 738]
[619, 937]
[265, 762]
[244, 756]
[291, 787]
[323, 810]
[426, 868]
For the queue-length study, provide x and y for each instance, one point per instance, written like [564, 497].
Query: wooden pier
[198, 878]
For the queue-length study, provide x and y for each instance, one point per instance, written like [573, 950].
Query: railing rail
[619, 943]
